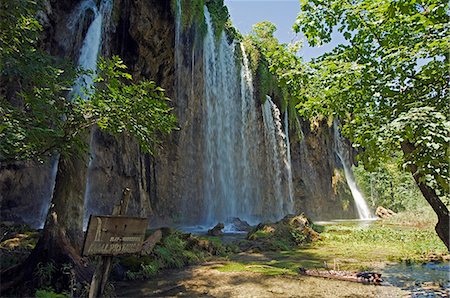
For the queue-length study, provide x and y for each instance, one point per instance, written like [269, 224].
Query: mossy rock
[292, 231]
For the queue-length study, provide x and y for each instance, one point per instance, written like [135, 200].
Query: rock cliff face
[169, 188]
[320, 186]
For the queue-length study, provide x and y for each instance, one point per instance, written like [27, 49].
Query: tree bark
[62, 236]
[442, 227]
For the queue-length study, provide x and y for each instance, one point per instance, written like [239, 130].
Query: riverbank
[385, 246]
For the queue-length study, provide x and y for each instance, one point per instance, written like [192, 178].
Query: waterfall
[288, 163]
[87, 61]
[247, 161]
[221, 91]
[342, 153]
[277, 157]
[90, 48]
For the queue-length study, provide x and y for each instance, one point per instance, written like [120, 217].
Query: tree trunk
[61, 241]
[443, 225]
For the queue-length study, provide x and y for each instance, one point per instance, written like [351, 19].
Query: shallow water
[421, 280]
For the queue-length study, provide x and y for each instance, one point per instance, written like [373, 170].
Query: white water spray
[360, 202]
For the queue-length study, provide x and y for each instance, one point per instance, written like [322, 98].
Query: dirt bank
[208, 281]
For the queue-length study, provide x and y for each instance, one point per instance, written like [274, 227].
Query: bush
[175, 250]
[390, 187]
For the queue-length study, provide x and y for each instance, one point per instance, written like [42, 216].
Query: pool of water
[421, 280]
[230, 233]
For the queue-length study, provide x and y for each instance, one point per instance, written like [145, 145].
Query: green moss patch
[17, 243]
[175, 250]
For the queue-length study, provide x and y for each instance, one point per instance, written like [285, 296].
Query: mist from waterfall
[343, 154]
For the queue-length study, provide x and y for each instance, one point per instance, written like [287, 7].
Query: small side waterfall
[92, 41]
[342, 153]
[87, 61]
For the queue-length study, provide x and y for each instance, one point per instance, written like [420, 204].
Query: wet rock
[239, 224]
[217, 230]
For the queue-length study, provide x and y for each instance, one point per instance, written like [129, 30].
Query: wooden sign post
[109, 236]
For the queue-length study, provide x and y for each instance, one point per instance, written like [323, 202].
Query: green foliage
[253, 267]
[145, 271]
[389, 84]
[44, 273]
[34, 82]
[38, 121]
[192, 12]
[219, 16]
[427, 131]
[390, 187]
[49, 294]
[118, 105]
[176, 250]
[288, 233]
[173, 253]
[386, 242]
[279, 69]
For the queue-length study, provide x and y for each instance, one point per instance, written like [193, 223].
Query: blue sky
[246, 13]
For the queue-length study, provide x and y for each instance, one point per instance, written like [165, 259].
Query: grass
[253, 267]
[408, 237]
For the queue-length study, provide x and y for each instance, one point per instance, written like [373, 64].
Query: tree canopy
[388, 85]
[38, 117]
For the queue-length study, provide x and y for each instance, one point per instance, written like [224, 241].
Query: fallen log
[365, 277]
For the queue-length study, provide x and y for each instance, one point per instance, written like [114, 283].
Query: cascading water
[221, 127]
[360, 202]
[91, 43]
[277, 157]
[288, 163]
[238, 179]
[249, 131]
[88, 57]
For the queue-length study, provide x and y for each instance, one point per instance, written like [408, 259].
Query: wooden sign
[114, 235]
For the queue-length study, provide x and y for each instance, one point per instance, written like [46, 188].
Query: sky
[245, 13]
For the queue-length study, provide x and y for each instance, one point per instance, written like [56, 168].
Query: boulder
[382, 212]
[217, 230]
[291, 231]
[239, 224]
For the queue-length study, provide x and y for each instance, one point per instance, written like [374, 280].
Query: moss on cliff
[191, 12]
[265, 82]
